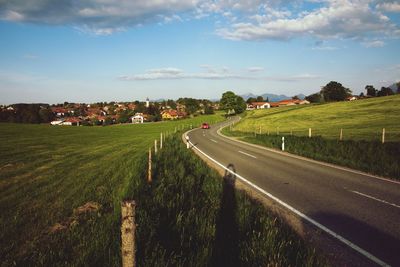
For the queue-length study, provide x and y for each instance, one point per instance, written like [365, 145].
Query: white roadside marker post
[283, 143]
[187, 142]
[383, 135]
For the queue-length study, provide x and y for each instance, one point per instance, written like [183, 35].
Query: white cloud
[374, 44]
[339, 19]
[210, 73]
[255, 69]
[103, 17]
[389, 7]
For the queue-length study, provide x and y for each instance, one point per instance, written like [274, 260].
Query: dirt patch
[76, 217]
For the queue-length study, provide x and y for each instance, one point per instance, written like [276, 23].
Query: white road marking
[307, 159]
[377, 199]
[300, 214]
[214, 140]
[247, 154]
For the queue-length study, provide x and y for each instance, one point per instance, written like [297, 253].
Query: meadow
[362, 122]
[61, 189]
[47, 172]
[359, 120]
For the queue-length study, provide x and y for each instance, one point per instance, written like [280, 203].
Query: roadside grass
[189, 216]
[360, 120]
[368, 156]
[61, 189]
[48, 172]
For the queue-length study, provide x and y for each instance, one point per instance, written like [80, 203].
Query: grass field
[47, 172]
[360, 120]
[60, 194]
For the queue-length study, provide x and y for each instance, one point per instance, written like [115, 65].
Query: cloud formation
[241, 19]
[211, 73]
[102, 17]
[352, 19]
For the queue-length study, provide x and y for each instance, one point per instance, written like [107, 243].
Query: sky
[121, 50]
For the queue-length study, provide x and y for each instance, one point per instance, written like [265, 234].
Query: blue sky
[103, 50]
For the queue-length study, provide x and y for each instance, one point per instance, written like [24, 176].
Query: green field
[61, 189]
[360, 120]
[48, 171]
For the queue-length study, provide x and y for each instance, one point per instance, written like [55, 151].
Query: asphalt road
[361, 208]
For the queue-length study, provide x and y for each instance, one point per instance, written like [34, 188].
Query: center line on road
[244, 153]
[374, 198]
[213, 140]
[302, 215]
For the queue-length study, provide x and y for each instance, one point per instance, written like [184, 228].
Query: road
[361, 209]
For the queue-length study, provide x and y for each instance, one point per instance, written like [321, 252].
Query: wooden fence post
[309, 132]
[341, 134]
[383, 135]
[155, 147]
[128, 229]
[149, 178]
[161, 140]
[260, 129]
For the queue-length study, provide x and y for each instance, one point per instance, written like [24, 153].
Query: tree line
[335, 91]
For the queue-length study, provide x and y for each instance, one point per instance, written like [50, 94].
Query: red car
[205, 125]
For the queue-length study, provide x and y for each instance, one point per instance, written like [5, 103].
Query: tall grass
[189, 216]
[47, 172]
[369, 156]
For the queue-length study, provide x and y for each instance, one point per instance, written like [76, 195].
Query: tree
[260, 99]
[314, 98]
[251, 100]
[385, 91]
[371, 91]
[46, 115]
[398, 87]
[295, 97]
[231, 102]
[335, 91]
[208, 110]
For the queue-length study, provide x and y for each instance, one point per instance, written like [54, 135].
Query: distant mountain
[272, 97]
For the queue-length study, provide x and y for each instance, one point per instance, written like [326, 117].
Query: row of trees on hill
[335, 91]
[27, 113]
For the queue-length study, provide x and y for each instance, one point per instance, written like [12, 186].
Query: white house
[138, 118]
[260, 105]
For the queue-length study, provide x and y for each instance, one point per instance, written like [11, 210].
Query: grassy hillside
[362, 119]
[60, 194]
[47, 172]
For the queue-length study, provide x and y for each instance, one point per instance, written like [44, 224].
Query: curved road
[362, 209]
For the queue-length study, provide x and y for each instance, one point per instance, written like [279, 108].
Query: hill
[361, 119]
[271, 97]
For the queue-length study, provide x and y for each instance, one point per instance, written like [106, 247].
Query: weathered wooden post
[309, 132]
[341, 134]
[260, 130]
[283, 143]
[161, 140]
[149, 178]
[383, 135]
[155, 147]
[291, 132]
[128, 229]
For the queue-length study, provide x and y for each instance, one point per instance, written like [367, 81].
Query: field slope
[361, 119]
[48, 172]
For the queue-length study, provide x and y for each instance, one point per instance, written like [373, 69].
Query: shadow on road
[226, 245]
